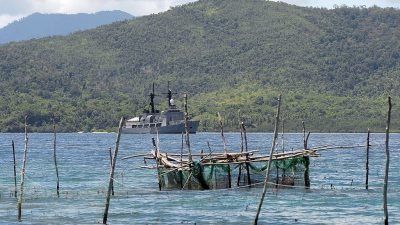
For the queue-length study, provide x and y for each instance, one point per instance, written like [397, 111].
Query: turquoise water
[84, 165]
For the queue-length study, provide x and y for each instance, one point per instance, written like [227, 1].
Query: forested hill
[335, 68]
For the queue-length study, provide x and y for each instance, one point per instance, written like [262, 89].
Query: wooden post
[187, 129]
[306, 158]
[307, 182]
[386, 178]
[23, 172]
[55, 157]
[269, 161]
[247, 156]
[157, 162]
[222, 134]
[241, 149]
[283, 135]
[15, 169]
[305, 138]
[304, 135]
[186, 115]
[367, 161]
[182, 151]
[225, 149]
[112, 182]
[121, 122]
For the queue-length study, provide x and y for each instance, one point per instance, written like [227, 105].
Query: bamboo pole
[15, 169]
[269, 161]
[225, 149]
[114, 162]
[112, 181]
[367, 161]
[23, 172]
[186, 127]
[55, 157]
[386, 178]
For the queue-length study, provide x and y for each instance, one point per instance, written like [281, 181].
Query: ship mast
[152, 95]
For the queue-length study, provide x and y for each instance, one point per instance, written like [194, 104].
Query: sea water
[337, 194]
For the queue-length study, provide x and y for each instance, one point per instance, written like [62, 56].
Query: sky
[11, 10]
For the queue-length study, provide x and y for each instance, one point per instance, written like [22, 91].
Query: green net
[285, 172]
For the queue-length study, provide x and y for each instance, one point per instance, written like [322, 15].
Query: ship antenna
[169, 95]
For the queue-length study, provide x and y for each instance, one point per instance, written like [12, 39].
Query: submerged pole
[386, 178]
[23, 172]
[114, 161]
[15, 169]
[269, 161]
[55, 157]
[367, 161]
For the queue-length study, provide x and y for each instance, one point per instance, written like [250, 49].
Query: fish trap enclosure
[232, 170]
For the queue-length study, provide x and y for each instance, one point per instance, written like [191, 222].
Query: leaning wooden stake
[121, 122]
[55, 157]
[15, 169]
[367, 161]
[23, 173]
[269, 161]
[386, 178]
[112, 181]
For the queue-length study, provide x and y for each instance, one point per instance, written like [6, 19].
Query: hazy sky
[11, 10]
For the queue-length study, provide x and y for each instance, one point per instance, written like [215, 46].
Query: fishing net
[287, 172]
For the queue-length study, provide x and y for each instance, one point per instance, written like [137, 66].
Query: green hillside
[334, 68]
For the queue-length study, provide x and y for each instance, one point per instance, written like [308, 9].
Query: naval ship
[171, 121]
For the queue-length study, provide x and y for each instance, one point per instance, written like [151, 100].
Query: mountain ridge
[39, 25]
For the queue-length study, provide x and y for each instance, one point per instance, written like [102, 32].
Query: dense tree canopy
[334, 68]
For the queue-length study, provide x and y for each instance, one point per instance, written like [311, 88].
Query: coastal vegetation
[334, 67]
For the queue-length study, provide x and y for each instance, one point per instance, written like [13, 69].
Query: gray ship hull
[169, 129]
